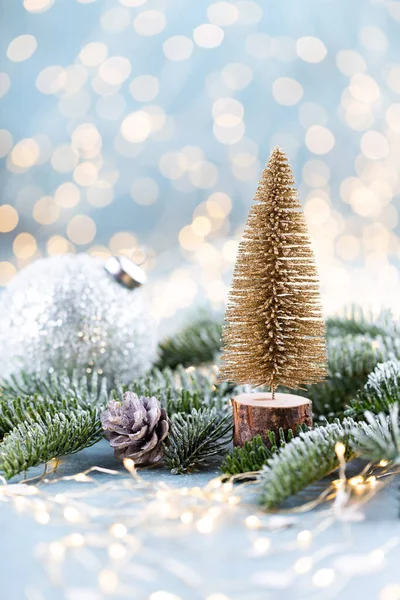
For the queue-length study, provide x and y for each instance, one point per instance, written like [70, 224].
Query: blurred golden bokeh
[8, 218]
[142, 138]
[57, 244]
[24, 245]
[81, 229]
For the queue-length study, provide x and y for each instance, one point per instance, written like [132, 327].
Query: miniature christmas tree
[275, 333]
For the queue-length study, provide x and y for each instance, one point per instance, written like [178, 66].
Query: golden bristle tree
[274, 333]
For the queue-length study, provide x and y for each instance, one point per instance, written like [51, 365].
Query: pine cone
[136, 428]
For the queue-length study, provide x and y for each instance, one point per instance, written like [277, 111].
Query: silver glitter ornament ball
[77, 311]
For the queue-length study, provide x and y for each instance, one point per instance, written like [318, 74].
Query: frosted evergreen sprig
[355, 320]
[197, 343]
[14, 411]
[380, 392]
[181, 390]
[351, 360]
[378, 438]
[306, 459]
[251, 457]
[196, 437]
[59, 385]
[255, 453]
[35, 442]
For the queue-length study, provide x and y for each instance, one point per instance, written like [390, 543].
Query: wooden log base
[255, 414]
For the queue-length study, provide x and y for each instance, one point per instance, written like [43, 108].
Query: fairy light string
[136, 506]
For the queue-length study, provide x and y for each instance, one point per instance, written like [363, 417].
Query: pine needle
[379, 437]
[14, 411]
[60, 385]
[355, 320]
[351, 360]
[51, 436]
[181, 390]
[195, 344]
[306, 459]
[255, 453]
[195, 438]
[380, 392]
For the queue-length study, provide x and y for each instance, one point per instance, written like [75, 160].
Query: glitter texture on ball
[67, 311]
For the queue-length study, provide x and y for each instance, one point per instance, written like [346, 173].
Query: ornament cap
[125, 271]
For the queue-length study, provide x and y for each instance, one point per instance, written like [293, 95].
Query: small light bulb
[204, 525]
[261, 545]
[108, 581]
[303, 565]
[129, 464]
[162, 495]
[252, 522]
[383, 463]
[340, 450]
[60, 498]
[215, 483]
[82, 478]
[227, 487]
[187, 517]
[71, 514]
[118, 530]
[56, 550]
[323, 577]
[75, 540]
[42, 517]
[354, 481]
[117, 551]
[304, 538]
[233, 500]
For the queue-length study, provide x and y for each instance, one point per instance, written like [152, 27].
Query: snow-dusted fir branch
[379, 437]
[87, 390]
[355, 320]
[255, 453]
[195, 438]
[351, 360]
[197, 343]
[14, 411]
[306, 459]
[34, 442]
[181, 390]
[381, 391]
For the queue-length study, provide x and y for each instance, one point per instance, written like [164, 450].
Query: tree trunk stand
[255, 414]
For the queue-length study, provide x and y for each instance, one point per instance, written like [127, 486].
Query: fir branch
[379, 437]
[255, 453]
[34, 442]
[195, 438]
[14, 411]
[196, 344]
[380, 392]
[181, 390]
[306, 459]
[251, 457]
[351, 360]
[356, 321]
[59, 385]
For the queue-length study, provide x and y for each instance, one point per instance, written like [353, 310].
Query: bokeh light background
[144, 125]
